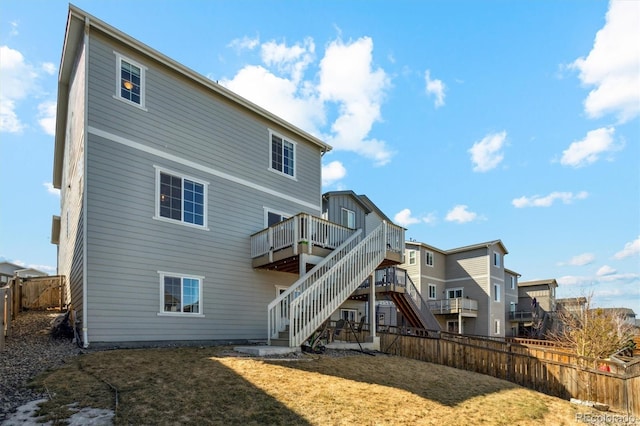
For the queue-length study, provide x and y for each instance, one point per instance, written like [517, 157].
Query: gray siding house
[465, 287]
[187, 212]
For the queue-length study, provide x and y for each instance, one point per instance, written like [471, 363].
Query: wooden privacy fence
[553, 372]
[42, 292]
[5, 313]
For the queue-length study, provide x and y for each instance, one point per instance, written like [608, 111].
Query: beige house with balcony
[467, 288]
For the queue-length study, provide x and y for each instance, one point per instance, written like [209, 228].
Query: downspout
[85, 329]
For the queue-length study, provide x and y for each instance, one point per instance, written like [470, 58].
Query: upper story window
[130, 81]
[428, 256]
[432, 291]
[348, 218]
[180, 294]
[513, 283]
[412, 257]
[181, 199]
[496, 292]
[496, 259]
[283, 155]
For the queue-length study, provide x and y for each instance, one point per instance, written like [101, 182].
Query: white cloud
[51, 189]
[630, 249]
[49, 68]
[461, 214]
[14, 28]
[18, 80]
[605, 270]
[612, 65]
[588, 150]
[245, 43]
[289, 60]
[405, 218]
[579, 260]
[348, 80]
[548, 200]
[333, 172]
[435, 87]
[487, 153]
[47, 117]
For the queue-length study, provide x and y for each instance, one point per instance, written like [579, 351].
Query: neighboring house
[189, 213]
[627, 314]
[536, 307]
[9, 270]
[573, 305]
[511, 301]
[465, 287]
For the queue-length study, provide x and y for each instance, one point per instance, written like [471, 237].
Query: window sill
[177, 222]
[278, 172]
[128, 102]
[180, 314]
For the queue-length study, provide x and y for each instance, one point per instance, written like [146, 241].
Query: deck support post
[372, 306]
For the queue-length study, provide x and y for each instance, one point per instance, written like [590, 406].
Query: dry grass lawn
[217, 386]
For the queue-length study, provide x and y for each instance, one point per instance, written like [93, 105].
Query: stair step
[280, 342]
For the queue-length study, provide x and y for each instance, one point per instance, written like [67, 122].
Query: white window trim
[143, 81]
[455, 289]
[163, 313]
[496, 292]
[268, 210]
[295, 155]
[513, 283]
[412, 261]
[429, 255]
[344, 209]
[435, 292]
[497, 259]
[157, 216]
[453, 322]
[496, 326]
[350, 310]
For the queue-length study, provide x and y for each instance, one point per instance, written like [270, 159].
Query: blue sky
[465, 121]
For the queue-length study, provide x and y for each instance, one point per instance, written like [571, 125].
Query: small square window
[412, 257]
[180, 294]
[181, 199]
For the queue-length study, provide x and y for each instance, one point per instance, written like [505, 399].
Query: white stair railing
[316, 295]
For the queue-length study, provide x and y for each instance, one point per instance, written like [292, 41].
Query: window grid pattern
[130, 82]
[282, 155]
[428, 258]
[181, 199]
[181, 295]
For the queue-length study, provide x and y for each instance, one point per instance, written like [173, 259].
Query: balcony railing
[309, 231]
[521, 316]
[300, 229]
[453, 306]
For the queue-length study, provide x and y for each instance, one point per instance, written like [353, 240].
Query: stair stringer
[316, 295]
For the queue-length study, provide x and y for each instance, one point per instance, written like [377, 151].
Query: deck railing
[311, 300]
[520, 316]
[302, 228]
[453, 306]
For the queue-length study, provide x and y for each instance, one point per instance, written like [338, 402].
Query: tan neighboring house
[467, 288]
[536, 307]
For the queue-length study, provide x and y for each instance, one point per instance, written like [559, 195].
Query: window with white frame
[181, 198]
[350, 315]
[496, 292]
[348, 218]
[283, 155]
[432, 291]
[412, 257]
[130, 81]
[272, 217]
[496, 326]
[454, 293]
[180, 294]
[496, 259]
[428, 256]
[453, 326]
[513, 283]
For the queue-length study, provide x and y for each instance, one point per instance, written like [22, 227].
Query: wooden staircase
[298, 312]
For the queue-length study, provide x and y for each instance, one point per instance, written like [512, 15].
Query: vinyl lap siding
[193, 123]
[71, 247]
[126, 247]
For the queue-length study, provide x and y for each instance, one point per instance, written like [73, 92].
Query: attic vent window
[130, 81]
